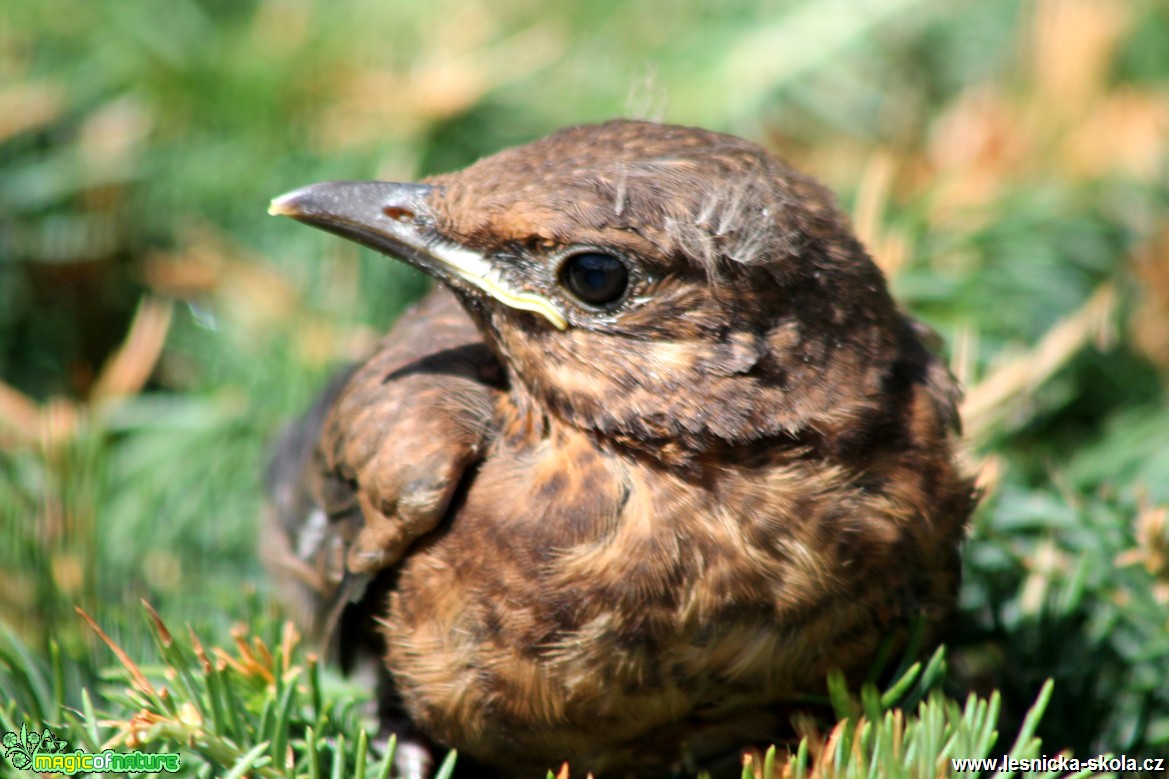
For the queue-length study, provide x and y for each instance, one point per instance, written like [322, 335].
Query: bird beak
[395, 219]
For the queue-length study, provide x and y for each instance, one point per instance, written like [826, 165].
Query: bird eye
[595, 278]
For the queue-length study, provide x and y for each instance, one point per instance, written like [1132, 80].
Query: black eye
[594, 277]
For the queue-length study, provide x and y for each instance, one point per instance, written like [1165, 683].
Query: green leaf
[253, 758]
[447, 769]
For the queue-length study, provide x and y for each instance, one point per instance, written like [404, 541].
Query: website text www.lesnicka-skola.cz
[1063, 763]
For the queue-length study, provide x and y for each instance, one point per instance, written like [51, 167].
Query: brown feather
[646, 535]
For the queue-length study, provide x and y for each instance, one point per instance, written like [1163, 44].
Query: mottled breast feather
[635, 534]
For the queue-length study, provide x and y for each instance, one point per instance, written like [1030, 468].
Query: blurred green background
[1007, 163]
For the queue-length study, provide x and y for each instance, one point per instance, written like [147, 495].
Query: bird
[657, 454]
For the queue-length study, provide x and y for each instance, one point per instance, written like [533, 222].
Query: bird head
[662, 286]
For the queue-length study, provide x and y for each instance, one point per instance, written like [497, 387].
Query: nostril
[398, 214]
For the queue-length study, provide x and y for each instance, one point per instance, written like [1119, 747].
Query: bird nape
[657, 455]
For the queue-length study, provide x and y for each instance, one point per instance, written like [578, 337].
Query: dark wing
[373, 464]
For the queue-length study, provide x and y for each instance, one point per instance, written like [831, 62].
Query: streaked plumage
[621, 533]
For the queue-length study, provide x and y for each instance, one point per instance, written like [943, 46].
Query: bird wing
[376, 460]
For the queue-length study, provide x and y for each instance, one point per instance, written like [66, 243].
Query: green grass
[1006, 162]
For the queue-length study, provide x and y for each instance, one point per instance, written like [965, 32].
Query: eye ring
[597, 278]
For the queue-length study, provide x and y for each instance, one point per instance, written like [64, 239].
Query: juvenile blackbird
[658, 455]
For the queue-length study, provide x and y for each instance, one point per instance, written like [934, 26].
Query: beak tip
[282, 206]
